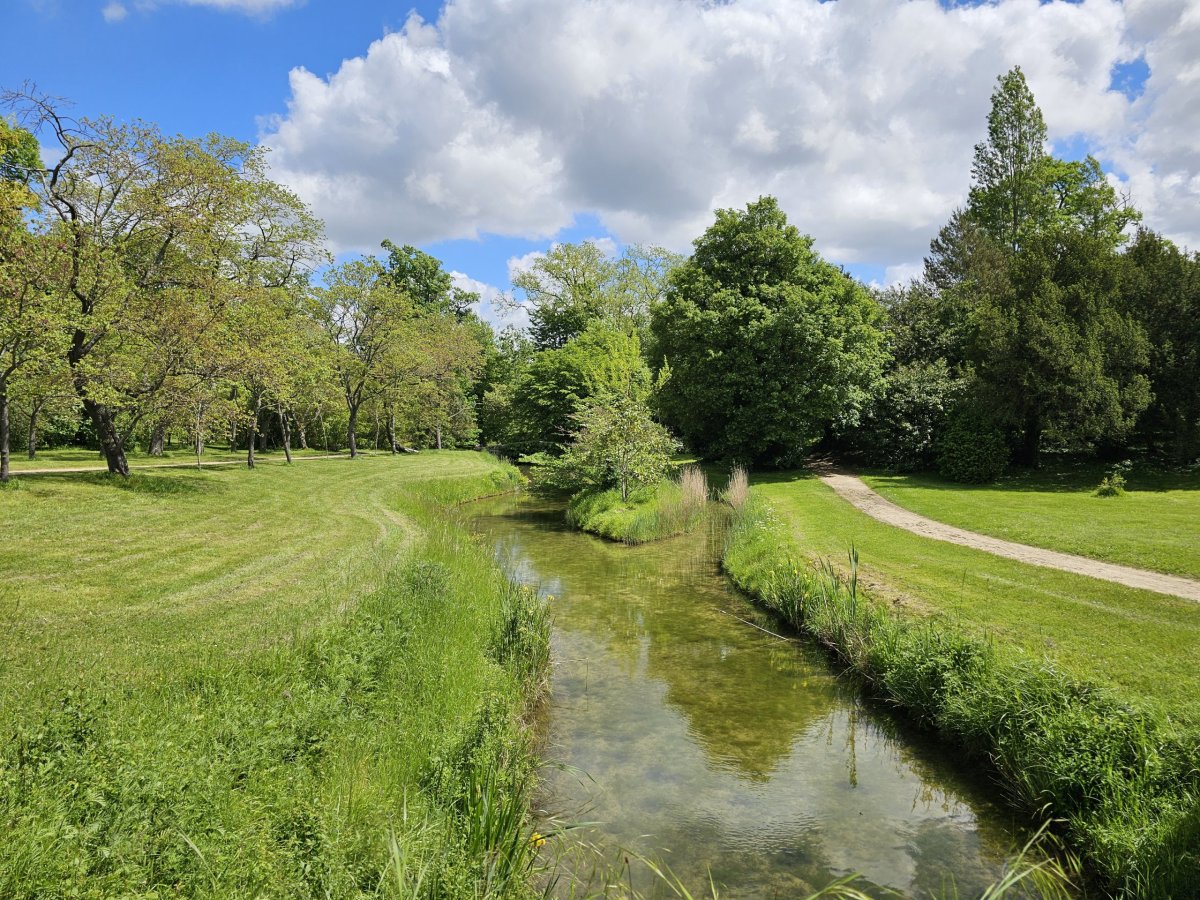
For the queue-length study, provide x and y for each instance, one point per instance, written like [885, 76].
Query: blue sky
[492, 130]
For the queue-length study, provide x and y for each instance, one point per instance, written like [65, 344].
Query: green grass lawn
[1156, 525]
[1143, 644]
[74, 457]
[280, 682]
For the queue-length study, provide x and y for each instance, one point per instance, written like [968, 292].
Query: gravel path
[857, 493]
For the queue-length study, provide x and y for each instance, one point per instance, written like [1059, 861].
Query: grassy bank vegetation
[1138, 643]
[1154, 525]
[1122, 781]
[670, 507]
[301, 682]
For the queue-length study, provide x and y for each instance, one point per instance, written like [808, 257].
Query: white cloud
[519, 264]
[861, 117]
[114, 12]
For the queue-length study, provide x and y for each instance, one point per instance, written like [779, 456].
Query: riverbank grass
[1123, 782]
[299, 681]
[1153, 524]
[1140, 644]
[671, 507]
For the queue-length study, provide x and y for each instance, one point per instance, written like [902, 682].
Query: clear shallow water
[695, 738]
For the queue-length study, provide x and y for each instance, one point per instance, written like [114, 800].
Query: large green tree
[1160, 289]
[767, 344]
[1029, 269]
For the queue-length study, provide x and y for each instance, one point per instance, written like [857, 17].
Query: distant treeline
[155, 286]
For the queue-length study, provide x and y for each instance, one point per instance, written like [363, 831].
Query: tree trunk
[286, 430]
[350, 432]
[300, 433]
[157, 436]
[199, 443]
[1031, 440]
[33, 415]
[391, 433]
[376, 443]
[253, 434]
[110, 440]
[439, 436]
[3, 433]
[233, 435]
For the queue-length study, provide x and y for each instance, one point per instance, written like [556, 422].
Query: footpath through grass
[1155, 525]
[1140, 643]
[298, 681]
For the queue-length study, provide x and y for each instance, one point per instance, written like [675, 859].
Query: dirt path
[178, 464]
[858, 494]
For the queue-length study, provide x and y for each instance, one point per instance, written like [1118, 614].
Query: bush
[973, 450]
[1113, 484]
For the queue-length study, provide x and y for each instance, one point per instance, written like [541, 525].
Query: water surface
[693, 737]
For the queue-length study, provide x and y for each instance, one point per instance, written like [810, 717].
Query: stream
[690, 737]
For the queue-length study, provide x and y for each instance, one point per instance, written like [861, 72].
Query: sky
[483, 131]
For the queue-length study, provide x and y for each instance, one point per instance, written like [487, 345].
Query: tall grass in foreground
[1123, 785]
[672, 507]
[379, 753]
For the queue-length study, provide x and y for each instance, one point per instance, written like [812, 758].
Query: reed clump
[1123, 783]
[737, 491]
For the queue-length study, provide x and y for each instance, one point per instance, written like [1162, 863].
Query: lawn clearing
[294, 681]
[1142, 644]
[1155, 525]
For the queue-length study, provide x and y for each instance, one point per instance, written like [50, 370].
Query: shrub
[1113, 484]
[973, 450]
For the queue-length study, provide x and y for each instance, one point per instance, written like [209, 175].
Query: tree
[768, 345]
[369, 322]
[1029, 271]
[616, 444]
[574, 285]
[160, 234]
[1160, 290]
[32, 315]
[550, 387]
[422, 278]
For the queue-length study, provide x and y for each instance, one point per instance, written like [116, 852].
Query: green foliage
[573, 286]
[1124, 785]
[768, 344]
[617, 444]
[1160, 289]
[422, 278]
[904, 423]
[1031, 268]
[973, 449]
[670, 507]
[536, 410]
[1113, 483]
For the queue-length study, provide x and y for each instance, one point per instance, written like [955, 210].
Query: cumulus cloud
[513, 117]
[493, 307]
[114, 12]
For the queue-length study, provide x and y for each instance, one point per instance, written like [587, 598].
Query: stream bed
[691, 737]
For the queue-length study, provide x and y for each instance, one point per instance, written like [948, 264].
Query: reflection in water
[724, 748]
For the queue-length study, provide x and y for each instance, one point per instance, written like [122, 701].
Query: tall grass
[672, 507]
[379, 753]
[737, 492]
[1123, 784]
